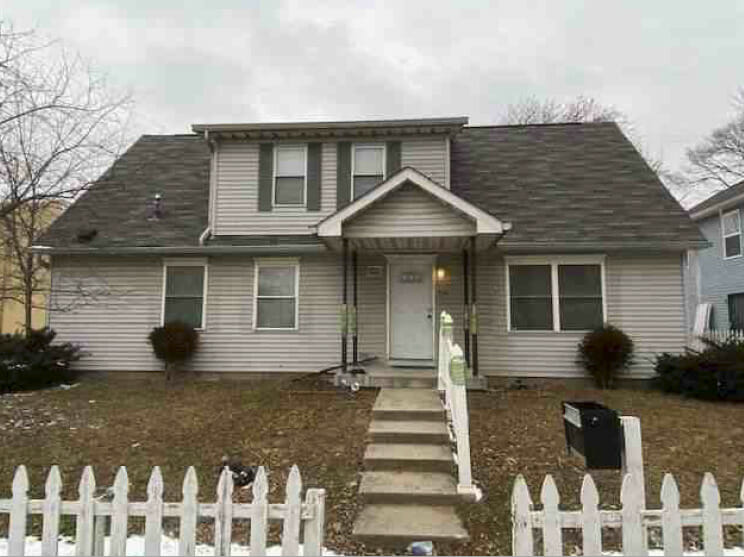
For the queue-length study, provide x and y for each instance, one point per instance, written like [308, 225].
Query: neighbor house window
[289, 177]
[368, 168]
[276, 300]
[731, 225]
[184, 293]
[552, 295]
[736, 311]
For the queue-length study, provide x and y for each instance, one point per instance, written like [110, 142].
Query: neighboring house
[716, 274]
[241, 229]
[12, 297]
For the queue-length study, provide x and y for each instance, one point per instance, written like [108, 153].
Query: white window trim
[724, 235]
[277, 148]
[276, 262]
[354, 147]
[186, 262]
[554, 262]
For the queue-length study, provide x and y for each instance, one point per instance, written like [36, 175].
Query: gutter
[586, 247]
[288, 249]
[714, 209]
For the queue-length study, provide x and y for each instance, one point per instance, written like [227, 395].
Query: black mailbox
[594, 432]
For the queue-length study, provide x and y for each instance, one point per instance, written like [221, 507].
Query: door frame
[422, 259]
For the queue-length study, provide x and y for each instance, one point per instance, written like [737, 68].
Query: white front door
[411, 309]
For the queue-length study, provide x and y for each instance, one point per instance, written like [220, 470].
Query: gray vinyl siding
[428, 156]
[408, 212]
[719, 277]
[644, 298]
[236, 199]
[237, 194]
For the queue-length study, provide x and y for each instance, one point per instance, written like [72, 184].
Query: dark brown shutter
[343, 174]
[265, 176]
[313, 176]
[392, 158]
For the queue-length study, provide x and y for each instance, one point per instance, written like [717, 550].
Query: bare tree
[61, 125]
[549, 111]
[718, 161]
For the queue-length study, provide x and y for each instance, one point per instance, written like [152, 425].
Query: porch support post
[466, 305]
[473, 310]
[354, 314]
[344, 318]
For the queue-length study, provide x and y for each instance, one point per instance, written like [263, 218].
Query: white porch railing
[94, 516]
[716, 335]
[451, 383]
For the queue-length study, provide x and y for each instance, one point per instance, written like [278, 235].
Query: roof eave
[182, 250]
[716, 207]
[583, 247]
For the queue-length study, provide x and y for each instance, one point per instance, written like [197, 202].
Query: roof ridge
[541, 125]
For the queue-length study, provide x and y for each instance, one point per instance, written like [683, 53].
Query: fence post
[314, 526]
[552, 535]
[52, 507]
[591, 526]
[712, 524]
[293, 513]
[223, 514]
[189, 511]
[671, 520]
[633, 453]
[18, 513]
[260, 513]
[154, 513]
[120, 514]
[521, 506]
[633, 534]
[85, 517]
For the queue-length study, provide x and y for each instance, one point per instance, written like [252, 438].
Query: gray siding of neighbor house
[644, 297]
[408, 212]
[236, 200]
[719, 277]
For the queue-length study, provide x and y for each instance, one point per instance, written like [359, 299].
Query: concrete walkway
[407, 485]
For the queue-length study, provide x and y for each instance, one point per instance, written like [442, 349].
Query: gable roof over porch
[391, 210]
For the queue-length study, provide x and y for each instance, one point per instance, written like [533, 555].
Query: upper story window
[289, 176]
[184, 297]
[555, 296]
[368, 168]
[731, 226]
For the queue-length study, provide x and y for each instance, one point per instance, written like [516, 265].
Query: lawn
[140, 425]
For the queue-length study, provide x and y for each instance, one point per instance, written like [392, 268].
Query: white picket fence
[716, 335]
[93, 513]
[452, 374]
[634, 518]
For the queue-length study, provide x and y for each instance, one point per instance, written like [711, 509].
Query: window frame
[354, 147]
[276, 262]
[278, 147]
[725, 236]
[185, 262]
[554, 262]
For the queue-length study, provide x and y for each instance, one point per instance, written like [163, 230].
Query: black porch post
[465, 306]
[474, 311]
[344, 318]
[354, 314]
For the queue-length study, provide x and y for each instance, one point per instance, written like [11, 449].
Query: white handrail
[452, 378]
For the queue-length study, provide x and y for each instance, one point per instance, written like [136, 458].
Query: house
[716, 274]
[297, 247]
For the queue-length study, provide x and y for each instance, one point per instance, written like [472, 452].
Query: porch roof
[483, 223]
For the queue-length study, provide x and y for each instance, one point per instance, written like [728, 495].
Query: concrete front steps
[407, 485]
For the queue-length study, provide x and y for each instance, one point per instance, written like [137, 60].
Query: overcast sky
[670, 65]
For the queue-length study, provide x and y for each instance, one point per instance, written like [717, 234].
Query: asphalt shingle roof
[557, 184]
[118, 205]
[566, 183]
[720, 197]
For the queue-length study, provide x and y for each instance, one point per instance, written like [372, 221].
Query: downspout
[212, 182]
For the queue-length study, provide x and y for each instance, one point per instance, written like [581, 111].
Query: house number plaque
[410, 276]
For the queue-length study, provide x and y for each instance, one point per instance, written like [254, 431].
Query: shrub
[174, 343]
[715, 373]
[32, 361]
[604, 353]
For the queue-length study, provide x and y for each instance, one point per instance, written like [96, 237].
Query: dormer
[282, 179]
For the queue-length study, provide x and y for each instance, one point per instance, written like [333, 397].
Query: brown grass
[140, 425]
